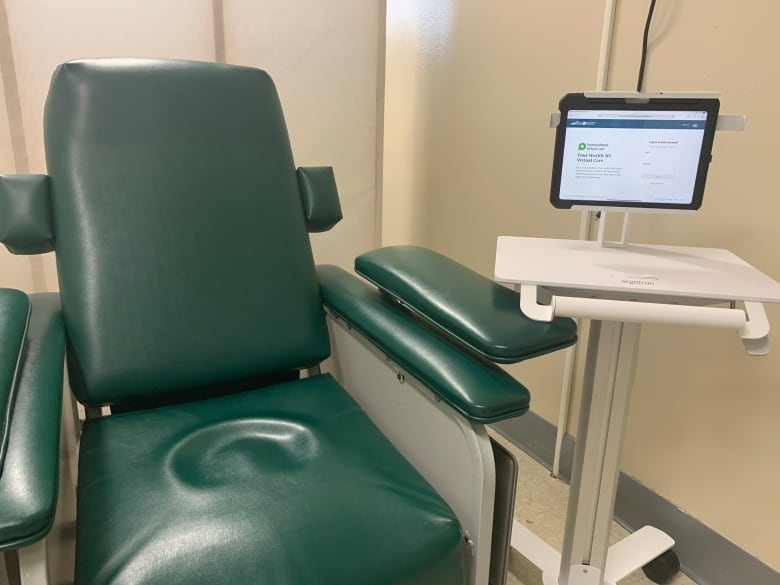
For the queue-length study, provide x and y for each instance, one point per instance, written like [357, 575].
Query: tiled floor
[541, 505]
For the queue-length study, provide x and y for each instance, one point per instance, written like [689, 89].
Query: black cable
[640, 81]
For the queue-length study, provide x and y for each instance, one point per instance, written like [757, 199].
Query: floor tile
[540, 505]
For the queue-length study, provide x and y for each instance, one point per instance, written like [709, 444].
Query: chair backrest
[182, 251]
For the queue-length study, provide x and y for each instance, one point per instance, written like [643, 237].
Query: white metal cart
[619, 288]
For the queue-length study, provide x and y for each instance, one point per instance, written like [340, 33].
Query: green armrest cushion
[29, 480]
[478, 312]
[14, 316]
[320, 198]
[477, 389]
[25, 214]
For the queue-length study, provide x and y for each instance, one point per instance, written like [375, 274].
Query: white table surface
[639, 269]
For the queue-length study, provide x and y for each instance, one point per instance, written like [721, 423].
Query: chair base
[25, 566]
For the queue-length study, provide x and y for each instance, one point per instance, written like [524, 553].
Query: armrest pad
[320, 198]
[478, 389]
[14, 317]
[25, 214]
[28, 483]
[478, 312]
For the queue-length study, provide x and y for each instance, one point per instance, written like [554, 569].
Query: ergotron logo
[639, 280]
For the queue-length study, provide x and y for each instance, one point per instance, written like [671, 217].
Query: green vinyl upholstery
[320, 198]
[25, 214]
[481, 314]
[181, 240]
[28, 481]
[14, 316]
[476, 388]
[288, 485]
[188, 292]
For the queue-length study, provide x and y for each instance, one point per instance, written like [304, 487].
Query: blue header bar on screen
[646, 124]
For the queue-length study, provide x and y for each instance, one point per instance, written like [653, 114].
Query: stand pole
[609, 372]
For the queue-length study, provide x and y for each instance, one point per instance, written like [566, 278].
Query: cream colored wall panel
[7, 165]
[324, 58]
[703, 432]
[490, 142]
[46, 33]
[419, 42]
[14, 270]
[49, 271]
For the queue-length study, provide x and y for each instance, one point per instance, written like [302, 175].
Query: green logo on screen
[582, 146]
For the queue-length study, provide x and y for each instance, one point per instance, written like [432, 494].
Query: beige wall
[15, 271]
[324, 57]
[467, 158]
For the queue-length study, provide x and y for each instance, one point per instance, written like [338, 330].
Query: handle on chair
[751, 323]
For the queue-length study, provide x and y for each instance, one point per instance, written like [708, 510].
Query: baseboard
[706, 556]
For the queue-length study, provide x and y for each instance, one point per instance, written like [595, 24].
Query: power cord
[641, 80]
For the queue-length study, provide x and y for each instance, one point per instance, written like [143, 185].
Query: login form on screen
[631, 156]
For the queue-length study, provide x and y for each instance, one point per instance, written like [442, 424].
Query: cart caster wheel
[663, 567]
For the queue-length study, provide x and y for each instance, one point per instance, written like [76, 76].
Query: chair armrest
[477, 389]
[480, 313]
[25, 214]
[29, 479]
[14, 317]
[320, 198]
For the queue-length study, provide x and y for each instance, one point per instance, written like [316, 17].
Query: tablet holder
[726, 122]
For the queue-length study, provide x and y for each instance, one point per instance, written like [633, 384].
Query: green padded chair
[216, 448]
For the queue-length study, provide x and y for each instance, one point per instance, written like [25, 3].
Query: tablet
[633, 151]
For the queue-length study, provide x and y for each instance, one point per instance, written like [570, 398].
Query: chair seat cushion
[290, 484]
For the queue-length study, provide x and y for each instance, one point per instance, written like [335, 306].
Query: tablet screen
[613, 153]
